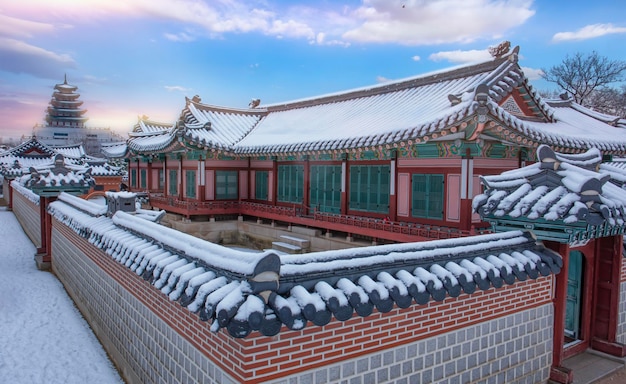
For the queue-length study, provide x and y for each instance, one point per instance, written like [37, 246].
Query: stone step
[312, 232]
[286, 247]
[302, 243]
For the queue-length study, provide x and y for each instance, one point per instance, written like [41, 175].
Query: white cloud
[179, 37]
[177, 88]
[20, 28]
[382, 79]
[422, 22]
[20, 57]
[588, 32]
[462, 57]
[416, 58]
[532, 73]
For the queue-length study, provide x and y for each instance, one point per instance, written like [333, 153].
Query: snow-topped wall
[170, 308]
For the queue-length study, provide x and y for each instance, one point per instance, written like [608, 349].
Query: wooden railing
[298, 214]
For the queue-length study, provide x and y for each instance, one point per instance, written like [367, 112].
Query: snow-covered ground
[43, 337]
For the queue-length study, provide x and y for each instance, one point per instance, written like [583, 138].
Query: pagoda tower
[64, 109]
[64, 123]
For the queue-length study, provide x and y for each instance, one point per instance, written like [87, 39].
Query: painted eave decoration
[244, 292]
[563, 197]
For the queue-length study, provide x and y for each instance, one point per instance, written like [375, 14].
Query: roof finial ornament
[254, 103]
[65, 79]
[500, 50]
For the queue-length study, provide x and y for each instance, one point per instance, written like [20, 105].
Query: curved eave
[562, 141]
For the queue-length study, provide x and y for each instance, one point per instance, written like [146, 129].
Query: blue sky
[142, 57]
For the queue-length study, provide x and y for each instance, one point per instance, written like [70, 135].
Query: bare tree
[581, 74]
[608, 100]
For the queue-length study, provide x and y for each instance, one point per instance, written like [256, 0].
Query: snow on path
[43, 337]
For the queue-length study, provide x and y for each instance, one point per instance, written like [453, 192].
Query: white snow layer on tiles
[212, 254]
[82, 204]
[364, 116]
[366, 256]
[27, 193]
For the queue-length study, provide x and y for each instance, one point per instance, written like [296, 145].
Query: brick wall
[27, 213]
[491, 334]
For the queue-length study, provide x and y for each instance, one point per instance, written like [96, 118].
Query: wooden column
[43, 256]
[201, 180]
[149, 175]
[605, 313]
[345, 174]
[393, 186]
[467, 188]
[559, 373]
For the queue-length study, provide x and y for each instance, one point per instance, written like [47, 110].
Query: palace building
[444, 156]
[65, 122]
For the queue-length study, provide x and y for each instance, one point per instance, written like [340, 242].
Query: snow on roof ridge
[458, 71]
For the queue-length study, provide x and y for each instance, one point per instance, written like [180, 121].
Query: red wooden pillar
[180, 177]
[393, 193]
[149, 175]
[43, 256]
[467, 178]
[10, 206]
[201, 180]
[559, 373]
[345, 176]
[166, 181]
[605, 314]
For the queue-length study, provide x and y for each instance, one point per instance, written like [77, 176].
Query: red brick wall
[289, 352]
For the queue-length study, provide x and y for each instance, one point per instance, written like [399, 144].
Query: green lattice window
[143, 179]
[226, 185]
[427, 196]
[161, 179]
[290, 183]
[173, 182]
[261, 181]
[325, 188]
[190, 184]
[369, 188]
[133, 178]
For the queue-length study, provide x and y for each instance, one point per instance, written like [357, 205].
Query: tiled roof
[408, 111]
[116, 150]
[216, 127]
[39, 156]
[57, 178]
[569, 190]
[244, 292]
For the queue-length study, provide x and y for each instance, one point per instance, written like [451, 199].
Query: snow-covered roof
[58, 178]
[75, 151]
[115, 150]
[403, 112]
[245, 292]
[35, 154]
[570, 190]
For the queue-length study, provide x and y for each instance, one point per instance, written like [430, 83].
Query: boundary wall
[502, 335]
[26, 210]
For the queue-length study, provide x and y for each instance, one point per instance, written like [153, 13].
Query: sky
[133, 58]
[43, 337]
